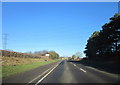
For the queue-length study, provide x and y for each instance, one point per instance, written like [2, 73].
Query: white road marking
[46, 75]
[74, 64]
[79, 68]
[82, 70]
[39, 76]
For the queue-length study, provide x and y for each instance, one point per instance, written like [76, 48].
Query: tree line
[53, 54]
[7, 53]
[105, 44]
[36, 54]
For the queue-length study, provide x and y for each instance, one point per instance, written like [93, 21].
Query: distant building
[47, 54]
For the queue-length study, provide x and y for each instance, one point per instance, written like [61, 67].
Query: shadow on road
[103, 67]
[61, 63]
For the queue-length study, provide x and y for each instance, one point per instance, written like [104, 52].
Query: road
[70, 72]
[64, 72]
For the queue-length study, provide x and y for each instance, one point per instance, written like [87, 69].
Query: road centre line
[46, 75]
[74, 64]
[79, 68]
[82, 70]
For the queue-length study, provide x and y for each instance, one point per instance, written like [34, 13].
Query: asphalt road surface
[64, 72]
[70, 72]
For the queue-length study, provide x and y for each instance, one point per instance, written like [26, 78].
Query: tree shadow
[103, 67]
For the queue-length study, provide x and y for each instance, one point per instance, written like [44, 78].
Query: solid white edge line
[46, 75]
[39, 76]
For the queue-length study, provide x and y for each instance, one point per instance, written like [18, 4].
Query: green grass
[11, 70]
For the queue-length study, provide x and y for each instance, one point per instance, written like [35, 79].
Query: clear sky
[60, 26]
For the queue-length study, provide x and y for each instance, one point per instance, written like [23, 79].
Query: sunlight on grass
[10, 70]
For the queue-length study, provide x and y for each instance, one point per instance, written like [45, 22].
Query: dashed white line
[79, 68]
[74, 64]
[82, 70]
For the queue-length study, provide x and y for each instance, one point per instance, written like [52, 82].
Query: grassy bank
[13, 61]
[14, 69]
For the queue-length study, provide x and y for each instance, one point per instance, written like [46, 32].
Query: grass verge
[11, 70]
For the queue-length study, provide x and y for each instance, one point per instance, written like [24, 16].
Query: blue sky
[60, 26]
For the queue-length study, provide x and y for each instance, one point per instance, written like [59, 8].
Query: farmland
[15, 62]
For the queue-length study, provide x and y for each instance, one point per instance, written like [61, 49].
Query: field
[13, 61]
[14, 69]
[15, 64]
